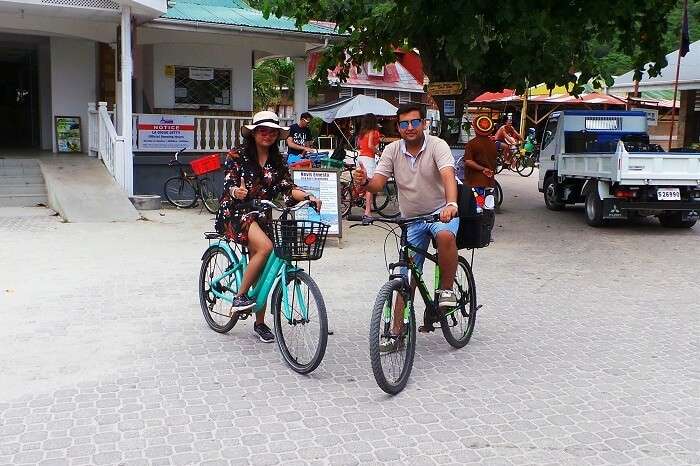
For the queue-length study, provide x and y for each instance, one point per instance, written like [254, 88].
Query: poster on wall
[165, 132]
[68, 133]
[323, 184]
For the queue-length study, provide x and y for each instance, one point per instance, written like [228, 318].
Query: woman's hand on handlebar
[315, 202]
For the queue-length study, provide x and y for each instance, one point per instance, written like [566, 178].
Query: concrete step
[33, 170]
[20, 180]
[38, 189]
[27, 200]
[9, 162]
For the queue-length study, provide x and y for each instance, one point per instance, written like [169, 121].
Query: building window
[196, 87]
[404, 97]
[345, 92]
[371, 92]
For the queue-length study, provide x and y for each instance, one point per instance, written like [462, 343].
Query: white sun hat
[266, 118]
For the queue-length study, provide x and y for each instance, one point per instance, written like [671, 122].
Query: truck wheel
[674, 220]
[594, 209]
[551, 198]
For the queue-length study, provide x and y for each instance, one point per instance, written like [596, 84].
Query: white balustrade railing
[107, 145]
[212, 133]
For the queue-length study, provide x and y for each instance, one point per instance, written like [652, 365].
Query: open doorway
[19, 97]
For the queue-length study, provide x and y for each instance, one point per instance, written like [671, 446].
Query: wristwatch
[454, 204]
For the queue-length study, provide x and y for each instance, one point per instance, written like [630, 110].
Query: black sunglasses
[415, 123]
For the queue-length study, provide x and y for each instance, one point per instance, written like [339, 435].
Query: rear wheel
[301, 336]
[498, 194]
[211, 200]
[458, 324]
[345, 198]
[180, 192]
[675, 220]
[217, 311]
[391, 353]
[594, 208]
[389, 201]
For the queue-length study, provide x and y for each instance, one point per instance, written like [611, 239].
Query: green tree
[488, 45]
[270, 79]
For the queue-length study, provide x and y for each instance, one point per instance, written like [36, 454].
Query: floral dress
[262, 183]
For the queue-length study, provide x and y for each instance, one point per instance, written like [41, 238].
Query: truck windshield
[549, 132]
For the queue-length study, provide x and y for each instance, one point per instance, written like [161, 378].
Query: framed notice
[449, 107]
[323, 183]
[67, 133]
[445, 88]
[165, 133]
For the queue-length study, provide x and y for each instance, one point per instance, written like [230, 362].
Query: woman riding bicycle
[255, 171]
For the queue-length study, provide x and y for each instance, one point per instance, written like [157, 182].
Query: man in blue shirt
[299, 137]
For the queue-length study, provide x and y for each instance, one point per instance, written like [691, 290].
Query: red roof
[508, 95]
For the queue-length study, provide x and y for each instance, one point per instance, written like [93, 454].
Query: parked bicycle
[185, 189]
[385, 203]
[391, 351]
[300, 322]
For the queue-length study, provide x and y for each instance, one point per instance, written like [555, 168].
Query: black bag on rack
[474, 228]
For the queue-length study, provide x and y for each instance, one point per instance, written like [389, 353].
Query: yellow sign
[445, 88]
[169, 71]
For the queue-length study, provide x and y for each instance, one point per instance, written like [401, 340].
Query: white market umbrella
[353, 107]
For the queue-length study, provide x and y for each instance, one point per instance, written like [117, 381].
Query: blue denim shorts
[419, 235]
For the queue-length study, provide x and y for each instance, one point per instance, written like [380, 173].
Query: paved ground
[586, 352]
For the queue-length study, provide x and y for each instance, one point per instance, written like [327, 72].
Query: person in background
[368, 142]
[480, 155]
[507, 136]
[299, 138]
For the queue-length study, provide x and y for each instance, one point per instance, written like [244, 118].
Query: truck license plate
[668, 194]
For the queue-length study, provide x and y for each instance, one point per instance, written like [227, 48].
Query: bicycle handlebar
[432, 218]
[261, 205]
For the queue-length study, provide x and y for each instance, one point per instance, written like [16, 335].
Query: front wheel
[217, 311]
[301, 324]
[392, 349]
[526, 166]
[499, 163]
[551, 196]
[180, 192]
[458, 324]
[211, 200]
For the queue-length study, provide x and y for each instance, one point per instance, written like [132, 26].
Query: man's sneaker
[264, 333]
[242, 303]
[446, 300]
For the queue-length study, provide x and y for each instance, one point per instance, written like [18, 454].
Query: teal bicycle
[300, 321]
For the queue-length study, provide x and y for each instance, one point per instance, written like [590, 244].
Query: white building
[186, 57]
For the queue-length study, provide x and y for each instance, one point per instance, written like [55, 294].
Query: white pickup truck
[604, 159]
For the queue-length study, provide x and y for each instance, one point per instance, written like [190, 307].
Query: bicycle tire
[390, 208]
[209, 198]
[375, 330]
[345, 198]
[498, 195]
[280, 323]
[207, 300]
[526, 166]
[466, 297]
[499, 163]
[180, 192]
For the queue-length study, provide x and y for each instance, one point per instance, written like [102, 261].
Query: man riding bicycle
[423, 168]
[507, 138]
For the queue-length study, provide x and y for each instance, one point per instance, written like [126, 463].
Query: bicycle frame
[275, 271]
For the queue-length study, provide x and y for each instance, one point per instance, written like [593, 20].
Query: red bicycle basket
[206, 164]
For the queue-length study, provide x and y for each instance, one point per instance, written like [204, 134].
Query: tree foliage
[490, 45]
[270, 78]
